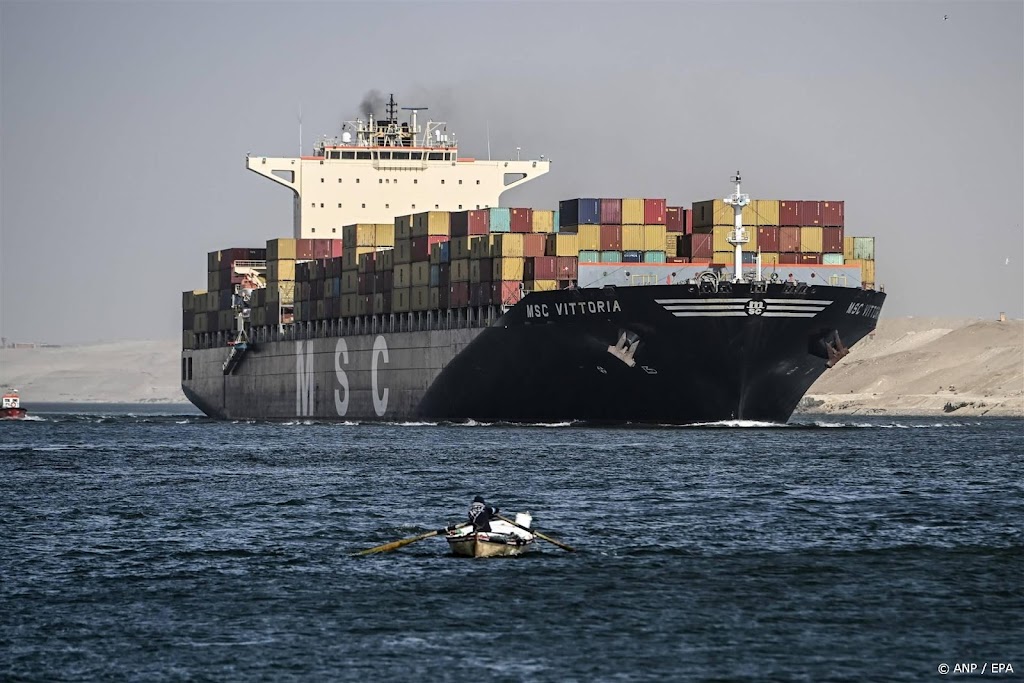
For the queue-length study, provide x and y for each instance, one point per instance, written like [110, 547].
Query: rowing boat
[503, 540]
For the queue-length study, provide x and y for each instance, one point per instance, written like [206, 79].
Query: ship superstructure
[381, 168]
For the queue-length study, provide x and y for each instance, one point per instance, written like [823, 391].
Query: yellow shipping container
[632, 213]
[281, 271]
[435, 298]
[811, 239]
[672, 244]
[403, 227]
[400, 302]
[561, 244]
[508, 268]
[506, 244]
[867, 271]
[632, 237]
[421, 274]
[359, 235]
[654, 237]
[543, 221]
[460, 270]
[761, 212]
[431, 223]
[385, 235]
[542, 285]
[726, 257]
[847, 249]
[769, 258]
[589, 237]
[419, 298]
[281, 248]
[280, 292]
[403, 251]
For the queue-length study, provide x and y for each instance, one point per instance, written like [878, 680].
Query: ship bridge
[382, 168]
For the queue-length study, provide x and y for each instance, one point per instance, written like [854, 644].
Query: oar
[538, 534]
[395, 545]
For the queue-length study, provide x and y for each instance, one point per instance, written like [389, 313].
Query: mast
[738, 236]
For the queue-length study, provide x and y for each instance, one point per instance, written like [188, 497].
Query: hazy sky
[125, 128]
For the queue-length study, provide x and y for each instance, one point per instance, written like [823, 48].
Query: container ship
[408, 293]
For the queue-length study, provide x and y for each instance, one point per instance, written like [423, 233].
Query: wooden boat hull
[503, 540]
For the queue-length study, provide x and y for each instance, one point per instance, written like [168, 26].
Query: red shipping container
[611, 212]
[809, 258]
[674, 217]
[768, 238]
[303, 249]
[611, 238]
[444, 276]
[336, 248]
[473, 222]
[541, 268]
[811, 213]
[533, 244]
[507, 292]
[368, 262]
[521, 220]
[701, 245]
[789, 240]
[444, 297]
[654, 212]
[364, 285]
[833, 214]
[460, 294]
[789, 212]
[831, 240]
[678, 259]
[420, 247]
[486, 269]
[688, 221]
[566, 268]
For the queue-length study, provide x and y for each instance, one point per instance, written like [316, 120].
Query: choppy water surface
[154, 546]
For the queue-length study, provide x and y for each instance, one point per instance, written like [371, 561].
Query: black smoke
[373, 103]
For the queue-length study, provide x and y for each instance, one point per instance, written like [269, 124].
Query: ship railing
[381, 323]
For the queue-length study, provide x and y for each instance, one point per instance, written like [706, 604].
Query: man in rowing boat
[480, 514]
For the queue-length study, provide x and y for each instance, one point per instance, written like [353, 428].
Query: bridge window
[334, 230]
[321, 180]
[385, 155]
[321, 205]
[312, 229]
[435, 156]
[417, 156]
[362, 155]
[348, 155]
[460, 207]
[401, 155]
[335, 155]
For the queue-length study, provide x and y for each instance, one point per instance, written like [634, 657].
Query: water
[153, 546]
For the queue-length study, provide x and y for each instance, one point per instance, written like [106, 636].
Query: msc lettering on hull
[572, 308]
[305, 378]
[866, 310]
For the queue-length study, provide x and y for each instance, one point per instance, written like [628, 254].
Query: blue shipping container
[579, 212]
[445, 253]
[435, 275]
[632, 257]
[501, 219]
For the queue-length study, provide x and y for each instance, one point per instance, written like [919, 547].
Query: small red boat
[11, 408]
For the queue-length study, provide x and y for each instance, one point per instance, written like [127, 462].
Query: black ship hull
[673, 354]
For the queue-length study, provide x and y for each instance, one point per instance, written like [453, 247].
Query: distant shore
[909, 366]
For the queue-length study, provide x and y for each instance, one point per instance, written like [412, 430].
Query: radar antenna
[413, 129]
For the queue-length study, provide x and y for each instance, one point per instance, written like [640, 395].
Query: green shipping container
[588, 256]
[864, 248]
[654, 257]
[832, 259]
[611, 257]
